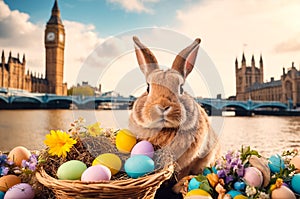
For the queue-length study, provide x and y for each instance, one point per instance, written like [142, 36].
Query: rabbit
[168, 117]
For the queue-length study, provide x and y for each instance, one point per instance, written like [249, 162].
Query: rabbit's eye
[181, 89]
[148, 88]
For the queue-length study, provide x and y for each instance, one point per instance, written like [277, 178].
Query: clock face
[61, 37]
[50, 36]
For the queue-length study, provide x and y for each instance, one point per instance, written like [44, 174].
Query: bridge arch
[270, 105]
[26, 99]
[3, 100]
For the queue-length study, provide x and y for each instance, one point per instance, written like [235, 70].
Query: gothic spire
[2, 53]
[243, 58]
[55, 15]
[260, 60]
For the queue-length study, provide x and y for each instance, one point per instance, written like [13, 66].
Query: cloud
[224, 26]
[290, 45]
[138, 6]
[19, 35]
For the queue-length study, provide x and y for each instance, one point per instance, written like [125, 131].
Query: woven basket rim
[149, 180]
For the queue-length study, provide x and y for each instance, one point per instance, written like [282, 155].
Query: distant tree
[81, 91]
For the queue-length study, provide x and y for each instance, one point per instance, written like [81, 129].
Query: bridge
[24, 100]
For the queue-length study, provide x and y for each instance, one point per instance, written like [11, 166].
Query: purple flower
[31, 163]
[221, 173]
[3, 170]
[3, 159]
[228, 179]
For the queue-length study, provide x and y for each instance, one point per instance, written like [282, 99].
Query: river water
[267, 134]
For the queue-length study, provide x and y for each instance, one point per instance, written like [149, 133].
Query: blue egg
[276, 163]
[233, 193]
[239, 186]
[193, 184]
[2, 195]
[208, 171]
[295, 184]
[138, 165]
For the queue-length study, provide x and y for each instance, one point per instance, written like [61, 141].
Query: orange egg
[296, 162]
[8, 181]
[18, 154]
[283, 192]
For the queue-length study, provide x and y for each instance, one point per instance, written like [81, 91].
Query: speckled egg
[8, 181]
[18, 154]
[71, 170]
[20, 191]
[295, 184]
[143, 148]
[110, 160]
[253, 177]
[282, 192]
[198, 193]
[138, 166]
[125, 141]
[296, 162]
[276, 163]
[96, 173]
[193, 184]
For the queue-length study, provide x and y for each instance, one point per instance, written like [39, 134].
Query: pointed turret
[236, 64]
[3, 57]
[261, 69]
[252, 61]
[24, 60]
[260, 60]
[55, 15]
[243, 61]
[9, 57]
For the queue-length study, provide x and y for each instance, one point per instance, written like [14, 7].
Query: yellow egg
[199, 193]
[8, 181]
[296, 162]
[110, 160]
[240, 197]
[18, 154]
[125, 141]
[283, 192]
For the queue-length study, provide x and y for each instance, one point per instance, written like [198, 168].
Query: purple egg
[96, 173]
[20, 191]
[253, 177]
[143, 148]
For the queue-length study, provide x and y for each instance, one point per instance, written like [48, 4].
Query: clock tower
[55, 45]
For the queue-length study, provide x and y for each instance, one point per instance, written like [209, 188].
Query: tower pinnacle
[55, 15]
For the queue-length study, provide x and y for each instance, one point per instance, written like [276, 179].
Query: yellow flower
[59, 143]
[94, 129]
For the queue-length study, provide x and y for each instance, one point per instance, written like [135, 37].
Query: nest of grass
[86, 150]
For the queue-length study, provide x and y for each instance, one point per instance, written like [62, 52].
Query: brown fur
[172, 120]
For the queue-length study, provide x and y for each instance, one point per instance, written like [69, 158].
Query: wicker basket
[143, 187]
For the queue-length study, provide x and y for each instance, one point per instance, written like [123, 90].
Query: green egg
[71, 170]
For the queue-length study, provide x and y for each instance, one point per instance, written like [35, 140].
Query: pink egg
[143, 148]
[253, 177]
[283, 192]
[20, 191]
[296, 162]
[96, 173]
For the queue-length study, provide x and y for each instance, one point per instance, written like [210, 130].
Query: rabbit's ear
[145, 57]
[185, 60]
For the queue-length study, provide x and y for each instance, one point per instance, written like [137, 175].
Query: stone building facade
[12, 70]
[250, 84]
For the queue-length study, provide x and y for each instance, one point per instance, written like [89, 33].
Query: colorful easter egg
[110, 160]
[239, 186]
[1, 195]
[198, 192]
[240, 197]
[253, 177]
[276, 163]
[20, 191]
[8, 181]
[138, 166]
[96, 173]
[296, 162]
[193, 184]
[71, 170]
[296, 183]
[282, 192]
[143, 148]
[209, 170]
[18, 154]
[233, 193]
[125, 141]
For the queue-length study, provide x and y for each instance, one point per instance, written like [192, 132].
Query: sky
[99, 32]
